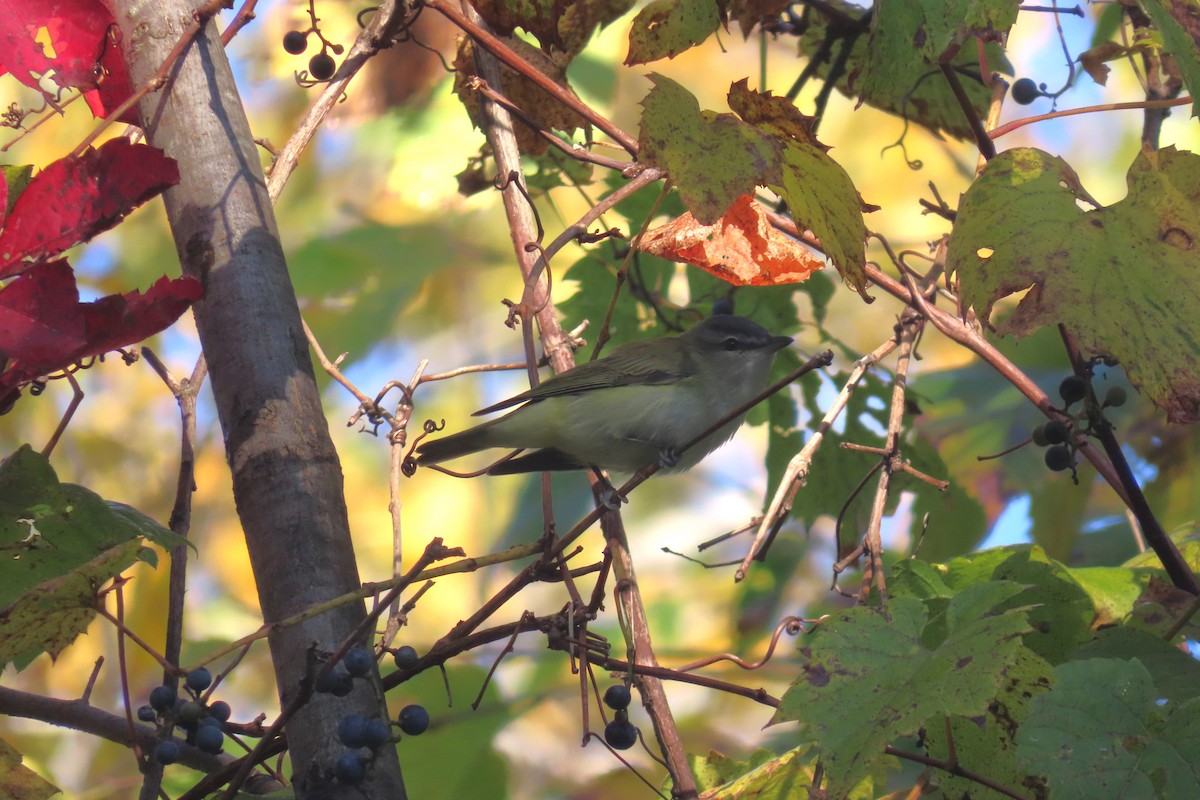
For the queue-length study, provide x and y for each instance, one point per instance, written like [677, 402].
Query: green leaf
[675, 132]
[60, 544]
[1179, 23]
[985, 743]
[637, 207]
[357, 284]
[1176, 674]
[1058, 513]
[912, 577]
[1101, 733]
[16, 178]
[1113, 590]
[665, 28]
[836, 472]
[1186, 537]
[1061, 612]
[1122, 279]
[887, 71]
[147, 527]
[871, 675]
[763, 777]
[595, 275]
[771, 145]
[934, 28]
[19, 782]
[953, 519]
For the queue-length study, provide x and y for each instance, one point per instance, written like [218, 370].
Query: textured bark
[287, 479]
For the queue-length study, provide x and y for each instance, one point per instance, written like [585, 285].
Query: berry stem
[1172, 560]
[1177, 569]
[1009, 127]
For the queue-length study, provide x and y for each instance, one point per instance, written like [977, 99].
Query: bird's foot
[668, 457]
[608, 496]
[611, 499]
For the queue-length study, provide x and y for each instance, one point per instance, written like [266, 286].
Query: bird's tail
[464, 443]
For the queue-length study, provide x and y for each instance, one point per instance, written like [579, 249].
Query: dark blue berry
[1059, 457]
[349, 768]
[199, 679]
[322, 66]
[166, 752]
[337, 681]
[414, 720]
[1025, 91]
[163, 698]
[406, 657]
[209, 739]
[1056, 432]
[358, 661]
[295, 42]
[1072, 389]
[617, 697]
[220, 710]
[377, 733]
[620, 735]
[352, 730]
[146, 714]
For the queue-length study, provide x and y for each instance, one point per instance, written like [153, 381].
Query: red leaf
[114, 89]
[74, 199]
[79, 31]
[76, 29]
[741, 247]
[44, 327]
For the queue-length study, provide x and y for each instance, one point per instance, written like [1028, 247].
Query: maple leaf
[74, 199]
[741, 247]
[82, 33]
[44, 327]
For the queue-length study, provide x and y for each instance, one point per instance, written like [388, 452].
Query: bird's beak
[778, 343]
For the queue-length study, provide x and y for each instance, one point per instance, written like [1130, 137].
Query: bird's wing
[639, 363]
[545, 460]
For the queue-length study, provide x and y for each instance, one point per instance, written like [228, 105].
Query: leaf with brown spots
[666, 28]
[715, 158]
[752, 13]
[871, 676]
[535, 103]
[538, 17]
[1123, 279]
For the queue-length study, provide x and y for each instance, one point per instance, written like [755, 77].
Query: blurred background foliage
[392, 265]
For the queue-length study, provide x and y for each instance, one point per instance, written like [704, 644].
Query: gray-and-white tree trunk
[287, 480]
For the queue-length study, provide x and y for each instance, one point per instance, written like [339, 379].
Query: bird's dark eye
[731, 343]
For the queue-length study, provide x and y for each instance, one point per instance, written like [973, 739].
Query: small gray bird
[638, 405]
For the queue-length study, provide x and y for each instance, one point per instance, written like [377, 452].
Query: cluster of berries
[620, 733]
[321, 66]
[358, 732]
[1056, 435]
[200, 720]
